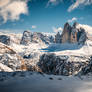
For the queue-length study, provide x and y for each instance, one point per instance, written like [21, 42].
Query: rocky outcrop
[5, 68]
[58, 38]
[9, 58]
[71, 34]
[26, 38]
[5, 39]
[66, 34]
[82, 36]
[59, 65]
[6, 49]
[12, 61]
[35, 37]
[87, 69]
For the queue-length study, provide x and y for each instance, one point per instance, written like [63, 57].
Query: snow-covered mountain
[35, 37]
[71, 34]
[26, 51]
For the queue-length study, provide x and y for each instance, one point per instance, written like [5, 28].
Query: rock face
[26, 38]
[58, 38]
[5, 39]
[82, 36]
[5, 68]
[87, 69]
[65, 36]
[9, 58]
[35, 37]
[71, 35]
[59, 65]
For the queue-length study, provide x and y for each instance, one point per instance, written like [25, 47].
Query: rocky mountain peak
[58, 38]
[75, 24]
[66, 33]
[26, 38]
[35, 37]
[5, 39]
[67, 26]
[71, 34]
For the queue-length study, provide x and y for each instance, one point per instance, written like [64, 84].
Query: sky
[43, 15]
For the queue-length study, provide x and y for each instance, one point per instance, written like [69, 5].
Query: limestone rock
[26, 38]
[35, 37]
[9, 58]
[5, 68]
[83, 36]
[5, 39]
[59, 65]
[58, 38]
[71, 34]
[86, 69]
[66, 34]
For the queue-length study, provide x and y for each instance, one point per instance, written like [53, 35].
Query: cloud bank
[12, 9]
[34, 27]
[59, 29]
[54, 2]
[72, 20]
[86, 27]
[77, 3]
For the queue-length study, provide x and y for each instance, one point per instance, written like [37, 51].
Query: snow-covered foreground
[35, 82]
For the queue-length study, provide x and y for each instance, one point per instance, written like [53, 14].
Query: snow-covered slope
[35, 82]
[5, 68]
[70, 49]
[86, 27]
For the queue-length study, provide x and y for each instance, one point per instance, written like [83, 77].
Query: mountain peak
[75, 24]
[71, 34]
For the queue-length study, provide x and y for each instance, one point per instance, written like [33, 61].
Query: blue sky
[44, 15]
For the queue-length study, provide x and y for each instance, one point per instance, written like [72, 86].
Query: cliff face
[58, 38]
[35, 37]
[9, 59]
[5, 39]
[65, 36]
[26, 38]
[71, 34]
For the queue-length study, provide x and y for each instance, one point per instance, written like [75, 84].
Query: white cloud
[59, 29]
[78, 3]
[33, 26]
[86, 27]
[12, 9]
[54, 2]
[73, 19]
